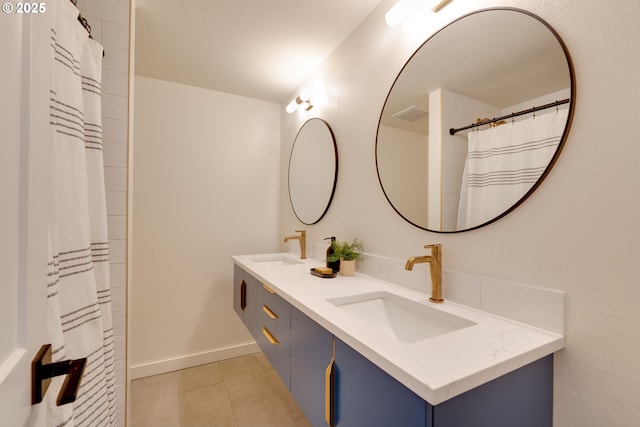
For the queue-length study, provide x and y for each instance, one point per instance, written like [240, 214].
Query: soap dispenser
[334, 265]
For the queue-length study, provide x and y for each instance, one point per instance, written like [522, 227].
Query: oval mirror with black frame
[475, 120]
[313, 171]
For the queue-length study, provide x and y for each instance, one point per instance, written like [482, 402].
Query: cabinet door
[522, 398]
[366, 396]
[310, 356]
[251, 309]
[244, 298]
[239, 291]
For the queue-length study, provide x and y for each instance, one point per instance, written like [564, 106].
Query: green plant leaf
[345, 250]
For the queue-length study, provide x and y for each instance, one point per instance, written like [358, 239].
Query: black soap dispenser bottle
[334, 265]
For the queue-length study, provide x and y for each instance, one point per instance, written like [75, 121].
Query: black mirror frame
[560, 145]
[335, 175]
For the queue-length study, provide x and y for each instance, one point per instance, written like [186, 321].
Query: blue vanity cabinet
[267, 317]
[310, 356]
[522, 398]
[245, 301]
[273, 330]
[366, 396]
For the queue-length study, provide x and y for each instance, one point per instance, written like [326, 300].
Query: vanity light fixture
[438, 5]
[303, 100]
[405, 8]
[398, 12]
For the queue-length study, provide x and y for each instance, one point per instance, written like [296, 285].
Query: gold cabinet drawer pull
[269, 312]
[268, 289]
[270, 337]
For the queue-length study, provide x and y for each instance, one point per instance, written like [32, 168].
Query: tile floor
[240, 392]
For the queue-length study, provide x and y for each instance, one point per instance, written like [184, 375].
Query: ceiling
[255, 48]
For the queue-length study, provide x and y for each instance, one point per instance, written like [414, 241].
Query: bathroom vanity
[357, 351]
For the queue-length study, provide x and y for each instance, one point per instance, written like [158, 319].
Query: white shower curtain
[79, 297]
[504, 162]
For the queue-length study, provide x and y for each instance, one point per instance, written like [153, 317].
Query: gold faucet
[435, 266]
[302, 238]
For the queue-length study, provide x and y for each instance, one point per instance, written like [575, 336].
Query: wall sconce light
[301, 101]
[405, 8]
[397, 13]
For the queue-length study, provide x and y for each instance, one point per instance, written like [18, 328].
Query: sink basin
[404, 320]
[276, 260]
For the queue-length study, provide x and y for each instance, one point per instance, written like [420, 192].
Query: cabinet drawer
[274, 313]
[275, 303]
[273, 331]
[269, 342]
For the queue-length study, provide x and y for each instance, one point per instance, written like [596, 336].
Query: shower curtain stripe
[79, 322]
[518, 148]
[520, 176]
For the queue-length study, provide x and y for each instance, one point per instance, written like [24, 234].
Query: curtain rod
[453, 131]
[82, 19]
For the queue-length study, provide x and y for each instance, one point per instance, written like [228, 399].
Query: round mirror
[313, 171]
[475, 120]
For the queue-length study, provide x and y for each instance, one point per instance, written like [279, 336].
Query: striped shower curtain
[503, 163]
[79, 322]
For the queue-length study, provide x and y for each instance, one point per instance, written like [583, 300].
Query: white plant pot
[347, 268]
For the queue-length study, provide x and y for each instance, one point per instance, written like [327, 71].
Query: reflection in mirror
[438, 168]
[313, 171]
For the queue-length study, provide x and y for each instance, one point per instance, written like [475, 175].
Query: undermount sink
[276, 260]
[404, 320]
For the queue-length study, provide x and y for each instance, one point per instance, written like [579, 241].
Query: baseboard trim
[188, 361]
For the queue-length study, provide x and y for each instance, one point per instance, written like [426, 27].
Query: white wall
[544, 99]
[205, 187]
[578, 232]
[405, 181]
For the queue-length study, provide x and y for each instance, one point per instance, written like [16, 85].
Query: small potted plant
[347, 253]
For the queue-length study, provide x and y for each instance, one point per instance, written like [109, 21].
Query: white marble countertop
[437, 368]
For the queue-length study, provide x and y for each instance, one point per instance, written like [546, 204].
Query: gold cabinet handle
[329, 384]
[269, 312]
[270, 337]
[271, 291]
